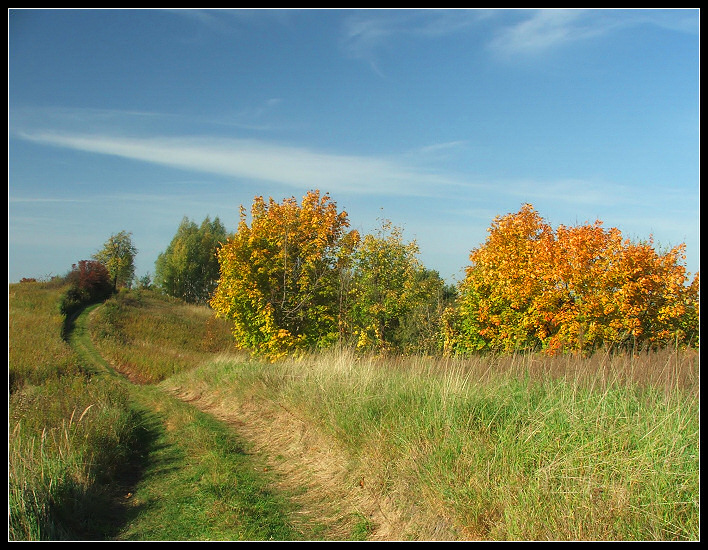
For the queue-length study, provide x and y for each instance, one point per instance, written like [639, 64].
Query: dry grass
[36, 350]
[67, 432]
[521, 447]
[149, 337]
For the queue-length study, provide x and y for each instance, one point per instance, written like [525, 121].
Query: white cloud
[532, 32]
[301, 168]
[515, 31]
[366, 33]
[257, 160]
[45, 200]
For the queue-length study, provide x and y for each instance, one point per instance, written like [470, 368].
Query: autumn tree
[503, 280]
[118, 255]
[281, 276]
[189, 268]
[89, 281]
[91, 276]
[576, 288]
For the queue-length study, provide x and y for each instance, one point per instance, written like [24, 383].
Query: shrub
[90, 282]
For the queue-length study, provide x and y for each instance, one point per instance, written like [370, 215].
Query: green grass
[487, 448]
[67, 430]
[36, 350]
[504, 449]
[152, 337]
[95, 457]
[199, 481]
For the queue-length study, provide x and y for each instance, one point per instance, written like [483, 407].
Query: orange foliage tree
[573, 289]
[281, 277]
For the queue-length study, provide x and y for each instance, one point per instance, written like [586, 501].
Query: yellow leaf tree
[281, 276]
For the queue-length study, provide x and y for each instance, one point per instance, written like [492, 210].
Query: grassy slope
[516, 449]
[185, 475]
[198, 480]
[523, 448]
[36, 350]
[151, 338]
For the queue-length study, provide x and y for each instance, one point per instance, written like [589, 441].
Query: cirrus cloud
[258, 160]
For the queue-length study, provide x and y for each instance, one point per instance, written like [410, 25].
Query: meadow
[67, 432]
[493, 447]
[513, 448]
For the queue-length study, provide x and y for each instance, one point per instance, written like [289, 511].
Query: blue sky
[438, 120]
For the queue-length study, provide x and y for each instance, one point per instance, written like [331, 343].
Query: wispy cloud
[509, 32]
[366, 33]
[539, 31]
[532, 32]
[255, 116]
[300, 168]
[45, 200]
[258, 160]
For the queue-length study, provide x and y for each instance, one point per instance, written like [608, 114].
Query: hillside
[339, 447]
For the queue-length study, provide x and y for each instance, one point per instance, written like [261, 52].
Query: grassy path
[77, 334]
[192, 477]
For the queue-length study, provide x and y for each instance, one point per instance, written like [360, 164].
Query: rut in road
[326, 486]
[309, 465]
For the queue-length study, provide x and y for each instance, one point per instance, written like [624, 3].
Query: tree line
[110, 268]
[296, 277]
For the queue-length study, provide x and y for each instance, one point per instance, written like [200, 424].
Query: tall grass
[515, 448]
[67, 432]
[149, 336]
[78, 439]
[68, 440]
[36, 350]
[521, 447]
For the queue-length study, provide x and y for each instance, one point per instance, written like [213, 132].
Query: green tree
[118, 255]
[421, 328]
[392, 292]
[189, 267]
[145, 282]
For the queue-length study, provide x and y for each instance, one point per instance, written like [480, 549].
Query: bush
[90, 282]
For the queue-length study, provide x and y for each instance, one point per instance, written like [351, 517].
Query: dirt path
[309, 466]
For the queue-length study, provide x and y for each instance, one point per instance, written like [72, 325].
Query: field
[216, 445]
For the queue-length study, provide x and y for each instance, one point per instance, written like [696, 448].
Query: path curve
[308, 465]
